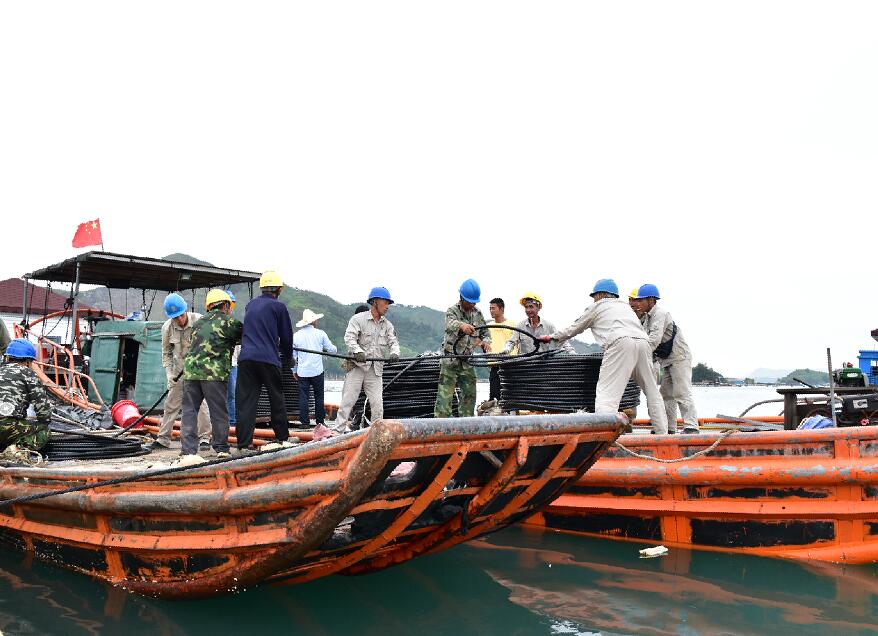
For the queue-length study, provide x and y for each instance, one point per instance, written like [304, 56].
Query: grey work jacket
[376, 339]
[175, 343]
[658, 325]
[609, 319]
[526, 345]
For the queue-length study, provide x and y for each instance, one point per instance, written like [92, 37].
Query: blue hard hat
[380, 292]
[21, 348]
[470, 291]
[175, 305]
[607, 285]
[648, 290]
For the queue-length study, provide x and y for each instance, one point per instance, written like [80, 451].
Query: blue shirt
[268, 331]
[309, 365]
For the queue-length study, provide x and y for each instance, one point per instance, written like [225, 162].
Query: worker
[499, 338]
[206, 374]
[369, 335]
[632, 300]
[626, 350]
[233, 376]
[464, 332]
[176, 339]
[266, 349]
[673, 357]
[535, 325]
[5, 338]
[20, 388]
[309, 366]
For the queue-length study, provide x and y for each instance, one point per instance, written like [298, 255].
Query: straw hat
[308, 317]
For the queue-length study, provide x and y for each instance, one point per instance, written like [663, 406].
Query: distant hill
[419, 328]
[767, 376]
[703, 373]
[817, 378]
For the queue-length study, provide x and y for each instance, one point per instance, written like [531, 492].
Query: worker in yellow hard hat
[266, 348]
[533, 324]
[206, 374]
[633, 301]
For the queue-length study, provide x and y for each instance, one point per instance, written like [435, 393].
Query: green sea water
[514, 582]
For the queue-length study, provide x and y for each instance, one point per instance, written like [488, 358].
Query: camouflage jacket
[210, 354]
[19, 388]
[454, 317]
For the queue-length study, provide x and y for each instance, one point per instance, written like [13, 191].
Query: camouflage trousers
[31, 435]
[454, 373]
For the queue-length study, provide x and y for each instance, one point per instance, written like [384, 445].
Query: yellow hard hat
[531, 296]
[270, 278]
[216, 296]
[634, 293]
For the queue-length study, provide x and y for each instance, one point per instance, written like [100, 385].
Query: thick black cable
[486, 356]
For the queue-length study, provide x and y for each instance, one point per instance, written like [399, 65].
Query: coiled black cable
[557, 383]
[66, 443]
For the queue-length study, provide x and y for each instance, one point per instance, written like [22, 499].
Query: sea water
[515, 582]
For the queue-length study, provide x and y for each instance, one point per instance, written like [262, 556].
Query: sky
[726, 152]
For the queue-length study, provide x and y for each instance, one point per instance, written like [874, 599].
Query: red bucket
[125, 412]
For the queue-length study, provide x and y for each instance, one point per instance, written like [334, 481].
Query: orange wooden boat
[351, 504]
[804, 494]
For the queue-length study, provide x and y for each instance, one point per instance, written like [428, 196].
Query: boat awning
[122, 271]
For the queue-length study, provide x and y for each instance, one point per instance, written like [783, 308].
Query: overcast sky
[727, 152]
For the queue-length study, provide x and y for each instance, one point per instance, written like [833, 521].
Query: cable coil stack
[411, 394]
[558, 383]
[291, 397]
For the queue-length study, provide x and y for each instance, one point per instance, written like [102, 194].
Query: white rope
[721, 437]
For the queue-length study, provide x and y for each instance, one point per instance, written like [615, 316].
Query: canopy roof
[121, 271]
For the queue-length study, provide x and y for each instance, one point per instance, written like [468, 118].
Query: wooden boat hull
[334, 506]
[797, 494]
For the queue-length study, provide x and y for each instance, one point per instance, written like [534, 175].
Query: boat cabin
[122, 355]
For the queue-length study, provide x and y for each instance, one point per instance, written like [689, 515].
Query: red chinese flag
[88, 233]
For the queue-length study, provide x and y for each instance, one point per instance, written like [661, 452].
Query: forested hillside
[419, 328]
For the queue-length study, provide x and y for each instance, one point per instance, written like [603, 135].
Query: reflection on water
[514, 582]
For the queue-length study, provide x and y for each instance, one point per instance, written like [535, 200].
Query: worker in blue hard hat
[672, 355]
[626, 351]
[464, 332]
[20, 388]
[369, 337]
[176, 339]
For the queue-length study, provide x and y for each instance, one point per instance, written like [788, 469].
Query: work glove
[360, 356]
[545, 339]
[394, 357]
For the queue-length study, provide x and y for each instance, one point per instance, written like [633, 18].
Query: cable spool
[559, 383]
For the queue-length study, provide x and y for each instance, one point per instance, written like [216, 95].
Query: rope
[721, 437]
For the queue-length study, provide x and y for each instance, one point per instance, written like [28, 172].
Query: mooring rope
[722, 436]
